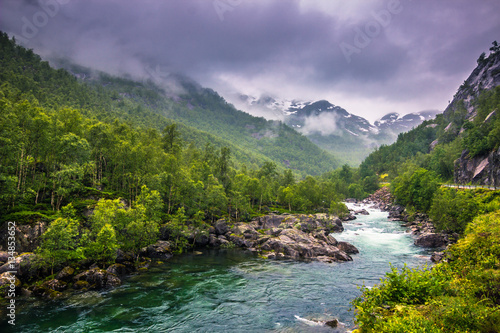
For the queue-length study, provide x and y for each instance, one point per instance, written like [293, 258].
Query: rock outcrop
[485, 76]
[286, 236]
[381, 199]
[27, 236]
[159, 250]
[431, 240]
[483, 170]
[97, 278]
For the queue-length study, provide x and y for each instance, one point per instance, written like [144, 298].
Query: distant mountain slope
[396, 124]
[205, 110]
[206, 116]
[333, 128]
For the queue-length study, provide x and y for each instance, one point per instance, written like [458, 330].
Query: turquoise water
[231, 290]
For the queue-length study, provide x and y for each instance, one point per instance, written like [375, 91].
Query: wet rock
[49, 289]
[118, 269]
[361, 212]
[221, 227]
[431, 240]
[332, 323]
[437, 257]
[98, 278]
[158, 250]
[349, 217]
[65, 274]
[347, 248]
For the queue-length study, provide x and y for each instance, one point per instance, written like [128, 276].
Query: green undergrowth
[461, 294]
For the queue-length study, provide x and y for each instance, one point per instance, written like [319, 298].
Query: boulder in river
[361, 212]
[158, 250]
[431, 240]
[296, 244]
[347, 248]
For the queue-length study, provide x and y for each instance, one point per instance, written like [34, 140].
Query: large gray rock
[218, 241]
[221, 227]
[159, 250]
[347, 248]
[8, 281]
[118, 269]
[25, 266]
[297, 244]
[297, 236]
[4, 256]
[98, 278]
[431, 240]
[27, 236]
[65, 274]
[361, 212]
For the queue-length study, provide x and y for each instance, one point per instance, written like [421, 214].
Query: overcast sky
[370, 57]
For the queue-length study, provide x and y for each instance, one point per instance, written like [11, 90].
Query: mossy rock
[66, 273]
[81, 285]
[54, 294]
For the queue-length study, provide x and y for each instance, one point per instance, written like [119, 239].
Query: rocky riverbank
[299, 237]
[286, 236]
[418, 224]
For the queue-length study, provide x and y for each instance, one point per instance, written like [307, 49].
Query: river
[232, 290]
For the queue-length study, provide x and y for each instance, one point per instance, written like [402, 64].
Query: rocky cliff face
[484, 170]
[486, 76]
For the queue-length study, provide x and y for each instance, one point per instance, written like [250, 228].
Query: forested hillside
[469, 127]
[65, 145]
[207, 116]
[255, 139]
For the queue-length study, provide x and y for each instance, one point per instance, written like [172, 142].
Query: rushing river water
[232, 290]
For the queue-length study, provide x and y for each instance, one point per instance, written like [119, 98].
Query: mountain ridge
[333, 128]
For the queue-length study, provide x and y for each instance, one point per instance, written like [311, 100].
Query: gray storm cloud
[411, 60]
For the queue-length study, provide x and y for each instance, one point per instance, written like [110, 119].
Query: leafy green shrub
[338, 209]
[453, 209]
[415, 187]
[461, 294]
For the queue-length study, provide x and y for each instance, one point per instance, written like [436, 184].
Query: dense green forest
[67, 147]
[460, 294]
[202, 115]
